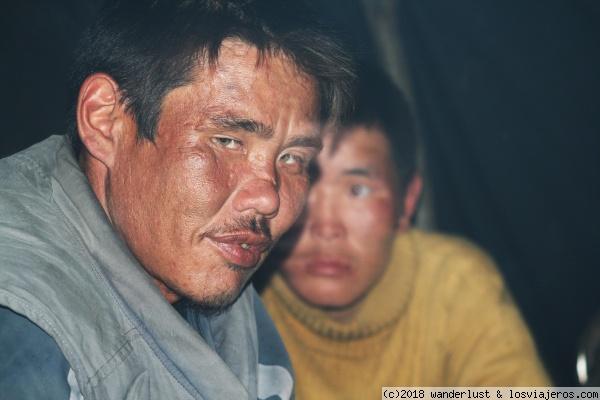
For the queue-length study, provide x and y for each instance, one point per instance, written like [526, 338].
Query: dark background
[507, 95]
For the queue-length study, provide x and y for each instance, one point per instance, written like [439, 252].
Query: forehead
[246, 62]
[358, 147]
[265, 88]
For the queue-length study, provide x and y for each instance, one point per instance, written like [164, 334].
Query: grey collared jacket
[73, 299]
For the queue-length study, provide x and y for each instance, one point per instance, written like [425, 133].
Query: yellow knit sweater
[439, 316]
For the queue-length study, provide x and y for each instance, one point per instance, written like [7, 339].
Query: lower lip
[328, 268]
[235, 254]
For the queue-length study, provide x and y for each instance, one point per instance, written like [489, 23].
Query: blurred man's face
[344, 239]
[202, 206]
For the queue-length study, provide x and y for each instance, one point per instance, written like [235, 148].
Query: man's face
[344, 239]
[202, 206]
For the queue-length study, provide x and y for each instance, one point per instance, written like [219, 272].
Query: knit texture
[439, 316]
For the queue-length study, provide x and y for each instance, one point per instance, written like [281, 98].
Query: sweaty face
[202, 206]
[343, 241]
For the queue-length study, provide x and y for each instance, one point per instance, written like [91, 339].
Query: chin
[212, 305]
[217, 302]
[329, 300]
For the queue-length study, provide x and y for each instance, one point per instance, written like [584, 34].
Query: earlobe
[411, 199]
[98, 113]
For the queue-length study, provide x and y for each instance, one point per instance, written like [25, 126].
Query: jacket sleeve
[31, 363]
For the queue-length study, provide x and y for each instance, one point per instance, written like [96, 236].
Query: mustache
[257, 225]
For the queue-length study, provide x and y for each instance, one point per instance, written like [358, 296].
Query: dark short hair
[150, 47]
[381, 104]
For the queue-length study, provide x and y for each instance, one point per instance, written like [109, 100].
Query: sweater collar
[383, 306]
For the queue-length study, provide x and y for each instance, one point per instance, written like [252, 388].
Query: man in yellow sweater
[362, 300]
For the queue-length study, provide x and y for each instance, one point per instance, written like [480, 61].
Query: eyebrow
[358, 172]
[306, 141]
[244, 124]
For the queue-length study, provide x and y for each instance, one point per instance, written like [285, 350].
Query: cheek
[373, 219]
[374, 236]
[202, 182]
[131, 184]
[292, 199]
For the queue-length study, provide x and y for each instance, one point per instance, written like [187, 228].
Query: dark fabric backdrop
[37, 38]
[508, 98]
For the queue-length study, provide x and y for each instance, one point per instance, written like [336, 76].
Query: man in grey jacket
[126, 246]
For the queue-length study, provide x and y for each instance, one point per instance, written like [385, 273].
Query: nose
[260, 195]
[323, 218]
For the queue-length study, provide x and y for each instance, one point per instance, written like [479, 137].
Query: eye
[360, 190]
[290, 159]
[294, 161]
[228, 142]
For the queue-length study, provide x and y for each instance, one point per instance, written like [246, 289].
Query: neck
[344, 315]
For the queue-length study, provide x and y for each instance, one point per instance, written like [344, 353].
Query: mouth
[242, 249]
[332, 268]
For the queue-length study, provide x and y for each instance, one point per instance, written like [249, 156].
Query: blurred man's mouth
[328, 267]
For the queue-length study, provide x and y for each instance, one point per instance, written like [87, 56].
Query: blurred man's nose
[323, 215]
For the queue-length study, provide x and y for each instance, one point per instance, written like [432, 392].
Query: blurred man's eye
[360, 190]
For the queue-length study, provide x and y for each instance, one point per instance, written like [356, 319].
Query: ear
[99, 114]
[411, 199]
